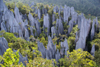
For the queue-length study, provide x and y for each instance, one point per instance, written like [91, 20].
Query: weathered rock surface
[39, 14]
[42, 49]
[84, 31]
[46, 24]
[37, 27]
[70, 26]
[59, 26]
[66, 13]
[3, 45]
[94, 28]
[64, 47]
[53, 32]
[93, 50]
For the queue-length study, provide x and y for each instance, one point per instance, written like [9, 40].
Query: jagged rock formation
[66, 13]
[84, 31]
[39, 14]
[46, 24]
[94, 28]
[55, 9]
[53, 32]
[59, 26]
[70, 26]
[13, 22]
[93, 50]
[3, 45]
[42, 49]
[50, 52]
[64, 46]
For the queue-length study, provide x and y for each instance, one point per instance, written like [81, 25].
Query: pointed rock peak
[93, 50]
[1, 5]
[57, 51]
[65, 6]
[16, 9]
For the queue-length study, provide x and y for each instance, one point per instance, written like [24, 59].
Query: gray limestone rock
[66, 13]
[31, 19]
[64, 46]
[51, 48]
[59, 26]
[1, 11]
[55, 9]
[26, 22]
[48, 54]
[93, 50]
[39, 14]
[46, 24]
[19, 20]
[57, 56]
[53, 32]
[32, 4]
[74, 15]
[37, 26]
[94, 29]
[70, 26]
[53, 18]
[36, 11]
[20, 33]
[42, 49]
[26, 35]
[84, 31]
[3, 45]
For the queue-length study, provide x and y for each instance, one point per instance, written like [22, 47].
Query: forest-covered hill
[86, 6]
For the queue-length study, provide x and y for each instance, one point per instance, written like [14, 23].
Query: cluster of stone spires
[13, 22]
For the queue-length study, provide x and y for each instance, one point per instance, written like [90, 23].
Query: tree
[10, 58]
[78, 58]
[40, 62]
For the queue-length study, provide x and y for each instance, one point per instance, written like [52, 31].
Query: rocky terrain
[25, 26]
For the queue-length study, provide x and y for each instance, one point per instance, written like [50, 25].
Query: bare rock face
[39, 14]
[66, 13]
[84, 31]
[94, 27]
[31, 19]
[64, 48]
[53, 18]
[46, 24]
[57, 56]
[1, 11]
[19, 20]
[3, 45]
[55, 9]
[97, 24]
[42, 49]
[93, 50]
[59, 26]
[73, 15]
[36, 10]
[26, 35]
[53, 32]
[79, 21]
[37, 27]
[51, 48]
[93, 30]
[70, 26]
